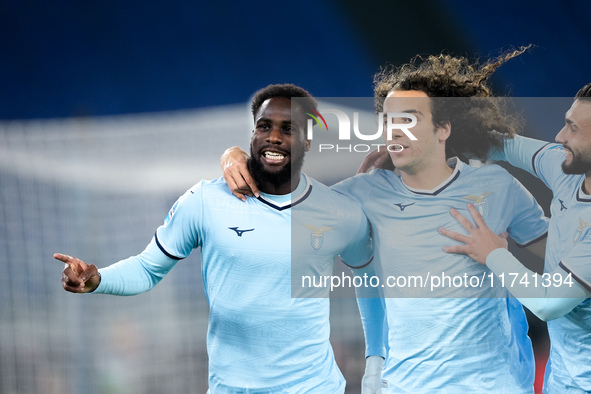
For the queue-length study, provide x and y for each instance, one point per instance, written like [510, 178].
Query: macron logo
[240, 232]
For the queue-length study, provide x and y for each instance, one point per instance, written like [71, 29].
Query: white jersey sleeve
[548, 296]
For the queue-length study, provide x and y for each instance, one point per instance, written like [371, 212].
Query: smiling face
[575, 136]
[429, 148]
[278, 145]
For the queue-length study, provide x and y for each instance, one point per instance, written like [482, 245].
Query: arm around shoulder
[547, 296]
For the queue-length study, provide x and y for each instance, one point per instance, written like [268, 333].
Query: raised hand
[236, 174]
[77, 276]
[481, 239]
[378, 158]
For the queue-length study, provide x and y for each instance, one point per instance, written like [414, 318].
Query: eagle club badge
[579, 232]
[317, 236]
[479, 203]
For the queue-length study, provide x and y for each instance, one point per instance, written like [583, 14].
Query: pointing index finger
[62, 257]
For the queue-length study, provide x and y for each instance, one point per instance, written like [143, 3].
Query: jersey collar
[289, 200]
[456, 164]
[581, 196]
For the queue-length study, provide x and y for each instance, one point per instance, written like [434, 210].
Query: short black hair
[286, 90]
[584, 93]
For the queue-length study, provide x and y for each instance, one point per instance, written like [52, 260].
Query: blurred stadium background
[109, 111]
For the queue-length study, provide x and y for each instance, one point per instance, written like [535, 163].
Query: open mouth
[273, 156]
[395, 148]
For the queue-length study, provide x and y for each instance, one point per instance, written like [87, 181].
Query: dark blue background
[86, 58]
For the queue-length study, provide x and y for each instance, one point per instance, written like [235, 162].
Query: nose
[395, 134]
[560, 137]
[275, 136]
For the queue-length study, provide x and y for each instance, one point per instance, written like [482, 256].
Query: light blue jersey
[450, 327]
[568, 247]
[260, 339]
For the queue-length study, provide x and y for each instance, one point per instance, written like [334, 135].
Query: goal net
[97, 188]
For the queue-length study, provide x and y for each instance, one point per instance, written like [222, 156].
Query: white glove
[372, 378]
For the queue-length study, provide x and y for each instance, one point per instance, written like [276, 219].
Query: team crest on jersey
[478, 201]
[317, 236]
[579, 232]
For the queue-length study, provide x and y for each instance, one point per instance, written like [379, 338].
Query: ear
[444, 131]
[308, 144]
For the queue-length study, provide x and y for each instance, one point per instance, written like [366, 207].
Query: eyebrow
[406, 111]
[265, 119]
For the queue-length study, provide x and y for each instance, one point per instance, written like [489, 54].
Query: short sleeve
[578, 261]
[548, 165]
[360, 251]
[179, 234]
[529, 223]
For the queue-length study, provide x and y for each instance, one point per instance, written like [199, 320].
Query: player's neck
[427, 177]
[284, 188]
[587, 183]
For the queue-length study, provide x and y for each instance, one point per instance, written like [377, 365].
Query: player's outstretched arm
[77, 276]
[519, 152]
[372, 312]
[547, 296]
[236, 174]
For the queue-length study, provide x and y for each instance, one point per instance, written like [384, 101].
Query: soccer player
[562, 294]
[260, 339]
[440, 337]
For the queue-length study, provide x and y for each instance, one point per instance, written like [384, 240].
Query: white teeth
[395, 148]
[274, 155]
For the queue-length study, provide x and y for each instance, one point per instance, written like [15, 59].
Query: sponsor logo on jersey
[562, 206]
[478, 201]
[579, 231]
[240, 232]
[317, 236]
[403, 206]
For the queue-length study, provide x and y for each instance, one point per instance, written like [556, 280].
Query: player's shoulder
[209, 188]
[549, 159]
[365, 180]
[211, 184]
[320, 189]
[331, 196]
[552, 148]
[489, 171]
